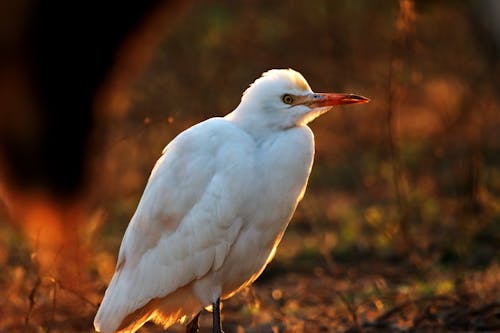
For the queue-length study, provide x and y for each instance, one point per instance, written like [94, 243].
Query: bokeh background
[402, 212]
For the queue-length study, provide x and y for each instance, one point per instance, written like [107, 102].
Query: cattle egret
[216, 206]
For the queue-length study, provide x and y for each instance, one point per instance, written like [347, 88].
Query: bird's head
[283, 98]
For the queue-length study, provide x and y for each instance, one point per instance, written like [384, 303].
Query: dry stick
[75, 293]
[388, 314]
[38, 281]
[381, 320]
[351, 310]
[53, 310]
[31, 299]
[401, 195]
[458, 318]
[396, 167]
[485, 308]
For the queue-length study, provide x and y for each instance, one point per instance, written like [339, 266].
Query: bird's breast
[283, 164]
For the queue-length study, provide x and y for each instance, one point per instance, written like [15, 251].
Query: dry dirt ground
[363, 297]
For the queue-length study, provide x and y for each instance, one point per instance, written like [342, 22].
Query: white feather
[186, 220]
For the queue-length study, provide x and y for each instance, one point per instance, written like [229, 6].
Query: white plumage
[216, 205]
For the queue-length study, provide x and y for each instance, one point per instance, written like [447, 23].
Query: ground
[303, 293]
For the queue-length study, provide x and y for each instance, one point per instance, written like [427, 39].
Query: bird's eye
[287, 99]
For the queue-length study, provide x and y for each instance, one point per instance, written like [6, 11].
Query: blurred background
[405, 190]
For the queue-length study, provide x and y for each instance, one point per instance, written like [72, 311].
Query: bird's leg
[217, 325]
[194, 325]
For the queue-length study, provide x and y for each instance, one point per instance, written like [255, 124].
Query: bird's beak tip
[332, 99]
[354, 99]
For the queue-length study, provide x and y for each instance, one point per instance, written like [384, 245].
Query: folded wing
[187, 219]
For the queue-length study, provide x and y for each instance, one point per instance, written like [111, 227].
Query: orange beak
[318, 100]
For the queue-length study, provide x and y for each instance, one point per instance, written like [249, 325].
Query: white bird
[216, 206]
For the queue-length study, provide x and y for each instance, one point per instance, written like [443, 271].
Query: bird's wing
[186, 221]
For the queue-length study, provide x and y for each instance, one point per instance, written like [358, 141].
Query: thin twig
[75, 293]
[53, 310]
[351, 310]
[31, 299]
[401, 195]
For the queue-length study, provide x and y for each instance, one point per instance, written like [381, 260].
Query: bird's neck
[255, 123]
